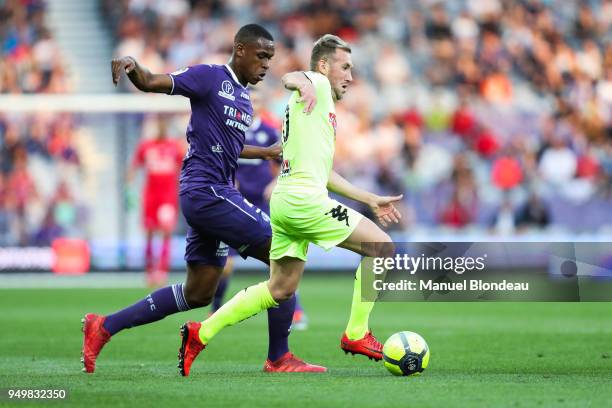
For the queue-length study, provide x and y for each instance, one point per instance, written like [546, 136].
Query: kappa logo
[341, 214]
[227, 90]
[217, 148]
[245, 95]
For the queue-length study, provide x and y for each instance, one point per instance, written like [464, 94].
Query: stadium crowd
[486, 113]
[40, 180]
[38, 157]
[30, 59]
[489, 115]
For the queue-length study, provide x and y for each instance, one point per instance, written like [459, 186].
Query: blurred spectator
[461, 209]
[485, 142]
[456, 213]
[558, 162]
[48, 231]
[4, 211]
[64, 208]
[533, 214]
[61, 141]
[464, 120]
[22, 192]
[585, 25]
[11, 143]
[504, 220]
[506, 172]
[496, 87]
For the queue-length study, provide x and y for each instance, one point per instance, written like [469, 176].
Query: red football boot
[288, 363]
[367, 345]
[95, 336]
[191, 345]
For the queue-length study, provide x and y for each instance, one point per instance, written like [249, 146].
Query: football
[406, 353]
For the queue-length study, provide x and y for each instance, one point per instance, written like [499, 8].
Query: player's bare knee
[280, 296]
[384, 248]
[197, 302]
[281, 292]
[198, 298]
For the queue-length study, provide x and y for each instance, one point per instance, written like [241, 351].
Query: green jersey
[301, 211]
[308, 141]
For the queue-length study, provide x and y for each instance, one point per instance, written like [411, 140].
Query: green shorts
[296, 222]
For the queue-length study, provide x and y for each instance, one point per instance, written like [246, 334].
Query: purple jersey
[221, 113]
[254, 175]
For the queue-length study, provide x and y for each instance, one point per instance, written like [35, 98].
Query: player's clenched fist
[126, 64]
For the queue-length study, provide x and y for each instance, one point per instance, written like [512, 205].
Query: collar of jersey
[234, 77]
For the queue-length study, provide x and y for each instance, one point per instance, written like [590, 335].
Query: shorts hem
[220, 262]
[286, 255]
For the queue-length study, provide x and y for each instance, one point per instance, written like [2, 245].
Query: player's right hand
[308, 96]
[126, 64]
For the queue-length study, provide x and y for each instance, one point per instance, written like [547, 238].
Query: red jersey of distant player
[161, 159]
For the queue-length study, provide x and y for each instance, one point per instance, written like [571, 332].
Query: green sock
[360, 312]
[244, 304]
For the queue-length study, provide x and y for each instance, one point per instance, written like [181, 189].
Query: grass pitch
[483, 354]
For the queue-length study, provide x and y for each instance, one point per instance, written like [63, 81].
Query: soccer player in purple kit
[217, 214]
[255, 179]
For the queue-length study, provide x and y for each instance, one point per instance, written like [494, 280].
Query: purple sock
[279, 325]
[159, 304]
[218, 299]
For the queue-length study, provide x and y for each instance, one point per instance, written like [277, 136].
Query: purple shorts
[219, 217]
[260, 203]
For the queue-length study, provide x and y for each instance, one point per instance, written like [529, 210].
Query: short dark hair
[251, 33]
[326, 46]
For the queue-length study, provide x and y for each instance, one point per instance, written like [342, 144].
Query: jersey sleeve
[320, 81]
[192, 82]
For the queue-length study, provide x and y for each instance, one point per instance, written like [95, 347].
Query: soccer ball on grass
[406, 353]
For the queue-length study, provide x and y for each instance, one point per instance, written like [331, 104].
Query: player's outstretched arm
[298, 81]
[141, 77]
[256, 152]
[381, 206]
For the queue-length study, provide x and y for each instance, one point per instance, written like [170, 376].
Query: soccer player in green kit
[302, 211]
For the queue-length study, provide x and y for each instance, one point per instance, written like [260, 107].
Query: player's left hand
[385, 211]
[273, 152]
